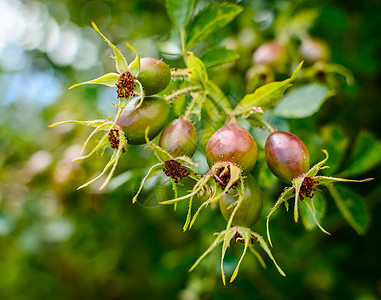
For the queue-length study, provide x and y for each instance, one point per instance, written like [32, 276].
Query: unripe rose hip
[179, 138]
[270, 53]
[314, 50]
[154, 75]
[153, 112]
[232, 143]
[251, 207]
[286, 156]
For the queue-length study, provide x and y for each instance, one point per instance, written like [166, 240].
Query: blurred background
[60, 243]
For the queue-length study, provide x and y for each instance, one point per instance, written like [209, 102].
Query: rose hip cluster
[231, 152]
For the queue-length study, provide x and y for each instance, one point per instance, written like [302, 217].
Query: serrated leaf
[209, 20]
[352, 208]
[302, 101]
[266, 96]
[365, 155]
[110, 79]
[320, 209]
[197, 70]
[121, 63]
[179, 12]
[218, 56]
[153, 171]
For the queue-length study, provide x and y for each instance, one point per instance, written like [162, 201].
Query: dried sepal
[231, 174]
[245, 236]
[109, 79]
[121, 63]
[153, 171]
[134, 66]
[176, 168]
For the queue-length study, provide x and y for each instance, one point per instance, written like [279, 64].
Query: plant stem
[182, 92]
[266, 125]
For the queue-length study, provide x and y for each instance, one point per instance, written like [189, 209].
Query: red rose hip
[286, 155]
[232, 143]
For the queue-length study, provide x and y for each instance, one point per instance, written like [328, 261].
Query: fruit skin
[286, 155]
[251, 207]
[154, 75]
[179, 138]
[271, 53]
[314, 50]
[232, 143]
[153, 112]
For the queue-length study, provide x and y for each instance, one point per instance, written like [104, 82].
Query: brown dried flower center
[113, 138]
[126, 85]
[308, 188]
[175, 170]
[222, 177]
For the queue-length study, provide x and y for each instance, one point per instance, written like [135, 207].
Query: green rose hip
[251, 207]
[154, 75]
[134, 120]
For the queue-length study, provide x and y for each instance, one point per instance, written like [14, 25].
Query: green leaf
[266, 96]
[110, 79]
[303, 101]
[306, 215]
[218, 56]
[209, 20]
[134, 66]
[352, 208]
[219, 99]
[179, 12]
[197, 69]
[121, 63]
[336, 143]
[366, 154]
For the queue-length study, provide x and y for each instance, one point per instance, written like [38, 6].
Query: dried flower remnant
[126, 84]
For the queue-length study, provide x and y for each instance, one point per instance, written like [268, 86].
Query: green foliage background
[60, 243]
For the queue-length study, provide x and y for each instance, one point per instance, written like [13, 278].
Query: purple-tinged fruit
[179, 138]
[232, 143]
[286, 155]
